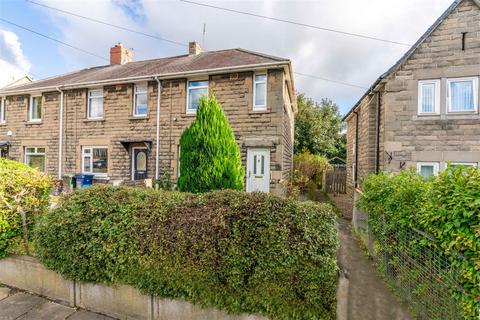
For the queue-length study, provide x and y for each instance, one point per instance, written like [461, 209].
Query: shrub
[209, 157]
[307, 173]
[237, 251]
[24, 193]
[447, 207]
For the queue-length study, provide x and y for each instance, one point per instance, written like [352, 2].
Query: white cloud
[316, 52]
[13, 63]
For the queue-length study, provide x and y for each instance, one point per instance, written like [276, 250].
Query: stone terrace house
[110, 120]
[423, 112]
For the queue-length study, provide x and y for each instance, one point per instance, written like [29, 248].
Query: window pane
[40, 150]
[262, 166]
[254, 164]
[198, 84]
[36, 108]
[260, 94]
[260, 77]
[96, 93]
[30, 150]
[462, 97]
[2, 109]
[141, 89]
[194, 96]
[428, 97]
[141, 104]
[86, 164]
[141, 161]
[95, 108]
[36, 161]
[427, 171]
[100, 159]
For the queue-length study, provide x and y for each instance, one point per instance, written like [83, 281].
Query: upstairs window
[196, 89]
[3, 103]
[260, 92]
[140, 101]
[95, 104]
[95, 160]
[35, 110]
[35, 157]
[429, 97]
[427, 169]
[462, 94]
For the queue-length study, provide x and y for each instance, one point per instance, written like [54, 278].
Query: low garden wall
[122, 301]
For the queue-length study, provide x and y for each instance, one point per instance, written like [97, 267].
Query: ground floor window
[95, 160]
[463, 164]
[35, 157]
[427, 169]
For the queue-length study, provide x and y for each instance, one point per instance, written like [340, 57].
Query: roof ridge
[262, 54]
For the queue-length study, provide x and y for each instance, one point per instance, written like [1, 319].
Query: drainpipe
[356, 149]
[60, 135]
[377, 134]
[157, 147]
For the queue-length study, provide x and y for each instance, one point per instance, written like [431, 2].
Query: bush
[209, 157]
[237, 251]
[307, 173]
[447, 206]
[24, 193]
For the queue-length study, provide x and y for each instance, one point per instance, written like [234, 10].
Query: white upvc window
[95, 161]
[427, 169]
[462, 94]
[3, 106]
[260, 91]
[140, 100]
[195, 90]
[35, 157]
[95, 104]
[35, 109]
[429, 96]
[463, 164]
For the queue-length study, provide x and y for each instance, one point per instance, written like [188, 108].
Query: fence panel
[336, 181]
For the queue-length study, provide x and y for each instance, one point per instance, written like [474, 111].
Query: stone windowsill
[94, 120]
[450, 116]
[28, 123]
[139, 118]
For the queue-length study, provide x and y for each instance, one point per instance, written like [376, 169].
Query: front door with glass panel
[139, 163]
[258, 170]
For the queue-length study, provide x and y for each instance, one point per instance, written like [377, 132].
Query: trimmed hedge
[447, 206]
[240, 252]
[24, 194]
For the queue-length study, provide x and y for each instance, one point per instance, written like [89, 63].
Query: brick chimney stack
[120, 55]
[194, 48]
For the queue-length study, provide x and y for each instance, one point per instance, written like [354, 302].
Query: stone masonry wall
[233, 90]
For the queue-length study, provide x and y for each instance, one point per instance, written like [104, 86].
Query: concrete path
[25, 306]
[362, 294]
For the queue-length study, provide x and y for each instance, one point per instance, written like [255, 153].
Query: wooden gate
[336, 180]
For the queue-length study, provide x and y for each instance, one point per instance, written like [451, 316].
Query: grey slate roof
[407, 55]
[157, 67]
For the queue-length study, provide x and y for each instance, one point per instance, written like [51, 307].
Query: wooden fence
[336, 181]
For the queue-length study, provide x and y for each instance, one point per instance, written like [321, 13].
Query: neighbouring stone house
[423, 112]
[110, 120]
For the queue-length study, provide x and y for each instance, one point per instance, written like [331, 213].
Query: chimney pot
[194, 48]
[120, 55]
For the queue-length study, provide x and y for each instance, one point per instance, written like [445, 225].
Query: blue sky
[327, 55]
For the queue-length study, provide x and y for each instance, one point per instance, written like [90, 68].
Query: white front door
[258, 170]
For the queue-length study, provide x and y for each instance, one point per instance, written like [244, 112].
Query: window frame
[436, 167]
[191, 111]
[3, 111]
[35, 153]
[89, 97]
[255, 106]
[135, 93]
[437, 96]
[464, 164]
[83, 154]
[475, 95]
[30, 109]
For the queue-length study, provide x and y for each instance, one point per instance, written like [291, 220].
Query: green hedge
[24, 194]
[240, 252]
[447, 207]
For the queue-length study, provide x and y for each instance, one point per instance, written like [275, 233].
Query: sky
[319, 53]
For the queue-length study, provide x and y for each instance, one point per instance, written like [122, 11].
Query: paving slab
[18, 304]
[85, 315]
[48, 310]
[4, 292]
